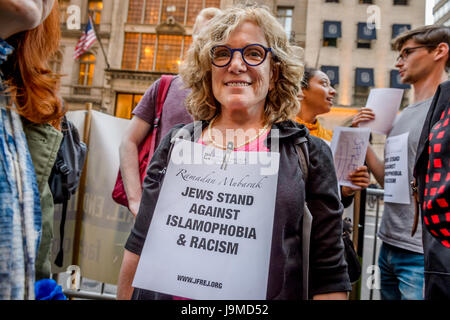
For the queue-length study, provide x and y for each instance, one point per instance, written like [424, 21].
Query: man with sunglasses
[422, 62]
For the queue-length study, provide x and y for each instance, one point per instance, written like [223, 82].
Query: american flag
[87, 39]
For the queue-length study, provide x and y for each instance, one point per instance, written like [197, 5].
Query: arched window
[87, 66]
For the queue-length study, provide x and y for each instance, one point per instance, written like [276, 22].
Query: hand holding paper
[384, 104]
[363, 115]
[360, 178]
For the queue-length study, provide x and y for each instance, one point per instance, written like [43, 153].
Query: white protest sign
[349, 147]
[105, 225]
[211, 232]
[385, 103]
[396, 184]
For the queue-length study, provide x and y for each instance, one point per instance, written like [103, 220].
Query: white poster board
[396, 184]
[349, 147]
[105, 225]
[211, 232]
[385, 103]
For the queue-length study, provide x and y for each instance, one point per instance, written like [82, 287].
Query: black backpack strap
[303, 157]
[301, 147]
[60, 255]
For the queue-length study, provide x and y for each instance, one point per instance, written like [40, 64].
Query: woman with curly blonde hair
[245, 79]
[281, 104]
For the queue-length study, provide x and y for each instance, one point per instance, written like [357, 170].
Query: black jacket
[328, 269]
[436, 255]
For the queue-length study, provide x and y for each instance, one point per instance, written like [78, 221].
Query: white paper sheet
[396, 184]
[385, 103]
[225, 258]
[349, 147]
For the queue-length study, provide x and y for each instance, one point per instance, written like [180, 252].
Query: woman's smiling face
[238, 85]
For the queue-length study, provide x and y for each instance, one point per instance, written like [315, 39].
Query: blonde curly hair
[281, 103]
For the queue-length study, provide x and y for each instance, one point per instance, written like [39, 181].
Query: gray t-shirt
[174, 111]
[398, 219]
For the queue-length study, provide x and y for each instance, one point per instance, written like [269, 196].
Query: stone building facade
[143, 39]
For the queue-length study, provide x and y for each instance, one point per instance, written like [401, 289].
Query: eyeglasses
[252, 54]
[407, 51]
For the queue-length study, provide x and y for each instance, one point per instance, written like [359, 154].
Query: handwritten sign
[396, 186]
[349, 147]
[211, 232]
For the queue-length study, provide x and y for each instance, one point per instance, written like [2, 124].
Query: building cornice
[134, 74]
[67, 33]
[83, 99]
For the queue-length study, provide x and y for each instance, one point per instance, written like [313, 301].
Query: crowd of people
[242, 87]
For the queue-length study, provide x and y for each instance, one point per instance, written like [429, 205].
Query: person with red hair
[30, 115]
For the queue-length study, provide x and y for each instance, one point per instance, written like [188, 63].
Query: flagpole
[100, 42]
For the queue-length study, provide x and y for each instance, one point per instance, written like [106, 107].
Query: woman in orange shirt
[317, 98]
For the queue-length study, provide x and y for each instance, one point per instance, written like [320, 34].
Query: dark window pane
[363, 44]
[330, 42]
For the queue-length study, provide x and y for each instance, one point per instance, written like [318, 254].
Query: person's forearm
[126, 275]
[129, 168]
[375, 165]
[331, 296]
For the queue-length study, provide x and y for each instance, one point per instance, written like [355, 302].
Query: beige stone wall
[307, 25]
[70, 67]
[347, 56]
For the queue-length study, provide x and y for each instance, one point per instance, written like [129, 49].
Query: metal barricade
[82, 294]
[374, 197]
[71, 284]
[367, 214]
